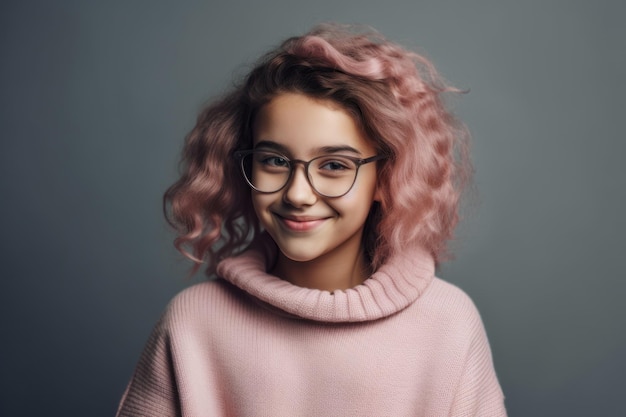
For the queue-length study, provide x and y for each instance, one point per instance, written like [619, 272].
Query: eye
[275, 161]
[271, 160]
[334, 165]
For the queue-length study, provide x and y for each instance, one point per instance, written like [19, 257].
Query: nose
[299, 191]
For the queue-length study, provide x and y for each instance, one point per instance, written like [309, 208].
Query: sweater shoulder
[200, 302]
[201, 292]
[450, 294]
[451, 305]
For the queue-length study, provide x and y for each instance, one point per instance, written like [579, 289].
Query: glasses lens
[266, 171]
[332, 175]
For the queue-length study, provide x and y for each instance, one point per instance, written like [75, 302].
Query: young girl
[320, 193]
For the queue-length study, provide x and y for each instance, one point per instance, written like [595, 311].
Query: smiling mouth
[300, 224]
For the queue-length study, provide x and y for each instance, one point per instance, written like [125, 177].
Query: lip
[300, 223]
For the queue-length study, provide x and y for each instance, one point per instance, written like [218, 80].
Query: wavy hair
[394, 95]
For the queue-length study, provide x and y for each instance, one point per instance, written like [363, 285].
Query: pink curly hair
[393, 94]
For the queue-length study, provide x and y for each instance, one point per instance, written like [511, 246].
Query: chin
[299, 256]
[299, 252]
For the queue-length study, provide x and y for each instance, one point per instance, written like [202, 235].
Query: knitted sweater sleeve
[478, 393]
[152, 390]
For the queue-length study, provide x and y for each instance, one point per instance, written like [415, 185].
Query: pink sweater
[403, 343]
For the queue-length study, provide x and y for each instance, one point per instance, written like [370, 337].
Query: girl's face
[305, 225]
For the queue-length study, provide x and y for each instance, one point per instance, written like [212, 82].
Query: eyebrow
[337, 149]
[322, 150]
[272, 145]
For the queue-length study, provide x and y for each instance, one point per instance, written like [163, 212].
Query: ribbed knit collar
[393, 287]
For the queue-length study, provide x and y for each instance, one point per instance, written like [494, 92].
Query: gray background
[97, 96]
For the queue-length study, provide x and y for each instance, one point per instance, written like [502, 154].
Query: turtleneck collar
[393, 287]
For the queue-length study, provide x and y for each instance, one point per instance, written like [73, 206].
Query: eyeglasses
[329, 175]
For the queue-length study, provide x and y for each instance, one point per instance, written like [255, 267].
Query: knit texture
[403, 343]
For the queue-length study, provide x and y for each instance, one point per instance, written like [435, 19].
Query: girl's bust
[320, 193]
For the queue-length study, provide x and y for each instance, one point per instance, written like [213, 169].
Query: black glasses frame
[240, 155]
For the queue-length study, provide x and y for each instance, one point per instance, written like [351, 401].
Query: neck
[329, 274]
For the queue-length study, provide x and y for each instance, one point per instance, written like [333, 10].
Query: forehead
[304, 126]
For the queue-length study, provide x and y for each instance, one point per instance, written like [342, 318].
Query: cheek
[378, 192]
[260, 203]
[364, 190]
[374, 188]
[357, 203]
